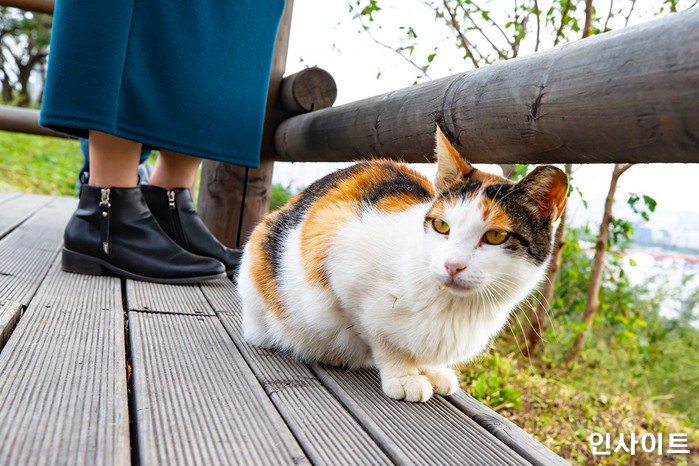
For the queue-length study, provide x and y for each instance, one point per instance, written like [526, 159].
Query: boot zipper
[105, 208]
[176, 223]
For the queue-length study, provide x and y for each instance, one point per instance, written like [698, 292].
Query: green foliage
[38, 164]
[490, 387]
[24, 43]
[279, 196]
[646, 209]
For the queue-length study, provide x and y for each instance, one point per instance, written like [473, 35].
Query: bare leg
[113, 161]
[174, 170]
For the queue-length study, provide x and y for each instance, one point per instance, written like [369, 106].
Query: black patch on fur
[464, 189]
[280, 224]
[497, 191]
[532, 232]
[396, 184]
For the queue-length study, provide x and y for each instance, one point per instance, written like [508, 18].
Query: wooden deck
[98, 370]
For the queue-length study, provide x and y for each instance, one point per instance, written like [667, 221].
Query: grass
[552, 406]
[38, 164]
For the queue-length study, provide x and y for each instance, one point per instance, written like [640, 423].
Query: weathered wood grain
[446, 435]
[17, 209]
[9, 315]
[325, 430]
[623, 96]
[196, 400]
[510, 434]
[63, 397]
[232, 200]
[173, 299]
[308, 90]
[27, 252]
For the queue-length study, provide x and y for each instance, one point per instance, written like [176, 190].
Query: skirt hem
[79, 127]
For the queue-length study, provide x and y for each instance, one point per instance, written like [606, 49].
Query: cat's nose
[454, 267]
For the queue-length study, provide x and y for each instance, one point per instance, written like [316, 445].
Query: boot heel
[80, 263]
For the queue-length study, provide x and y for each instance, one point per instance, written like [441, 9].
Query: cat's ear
[548, 186]
[451, 168]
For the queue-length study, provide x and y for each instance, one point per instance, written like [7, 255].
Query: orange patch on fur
[318, 230]
[395, 204]
[343, 202]
[261, 270]
[493, 216]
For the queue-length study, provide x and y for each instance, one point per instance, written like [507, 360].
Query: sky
[324, 34]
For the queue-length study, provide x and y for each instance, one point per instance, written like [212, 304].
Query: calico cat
[372, 265]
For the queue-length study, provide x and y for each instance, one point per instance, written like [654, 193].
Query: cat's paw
[408, 388]
[443, 380]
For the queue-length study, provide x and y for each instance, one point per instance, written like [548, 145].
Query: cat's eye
[440, 226]
[496, 237]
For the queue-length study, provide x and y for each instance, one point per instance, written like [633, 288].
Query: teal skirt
[186, 75]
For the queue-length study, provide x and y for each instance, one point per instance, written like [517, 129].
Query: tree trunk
[592, 303]
[6, 90]
[538, 321]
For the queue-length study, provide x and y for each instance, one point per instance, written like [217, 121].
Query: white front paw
[443, 380]
[408, 388]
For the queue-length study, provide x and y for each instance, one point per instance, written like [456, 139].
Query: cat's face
[487, 236]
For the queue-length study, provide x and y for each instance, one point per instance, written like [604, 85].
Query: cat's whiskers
[505, 281]
[546, 309]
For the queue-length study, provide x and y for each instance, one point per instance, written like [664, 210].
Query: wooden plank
[9, 315]
[7, 195]
[174, 299]
[196, 400]
[63, 399]
[323, 427]
[510, 434]
[27, 252]
[623, 96]
[18, 209]
[232, 200]
[425, 433]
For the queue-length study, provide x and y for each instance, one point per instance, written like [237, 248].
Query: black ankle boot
[114, 232]
[174, 210]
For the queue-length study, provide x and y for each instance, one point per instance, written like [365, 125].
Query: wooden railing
[625, 96]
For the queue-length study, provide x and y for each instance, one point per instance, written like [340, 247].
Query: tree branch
[633, 4]
[479, 29]
[462, 38]
[494, 24]
[564, 14]
[588, 19]
[389, 47]
[609, 15]
[537, 12]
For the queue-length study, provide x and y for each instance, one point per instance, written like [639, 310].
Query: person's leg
[114, 232]
[113, 161]
[170, 200]
[174, 170]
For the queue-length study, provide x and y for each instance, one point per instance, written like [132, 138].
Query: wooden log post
[233, 199]
[308, 90]
[624, 96]
[37, 6]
